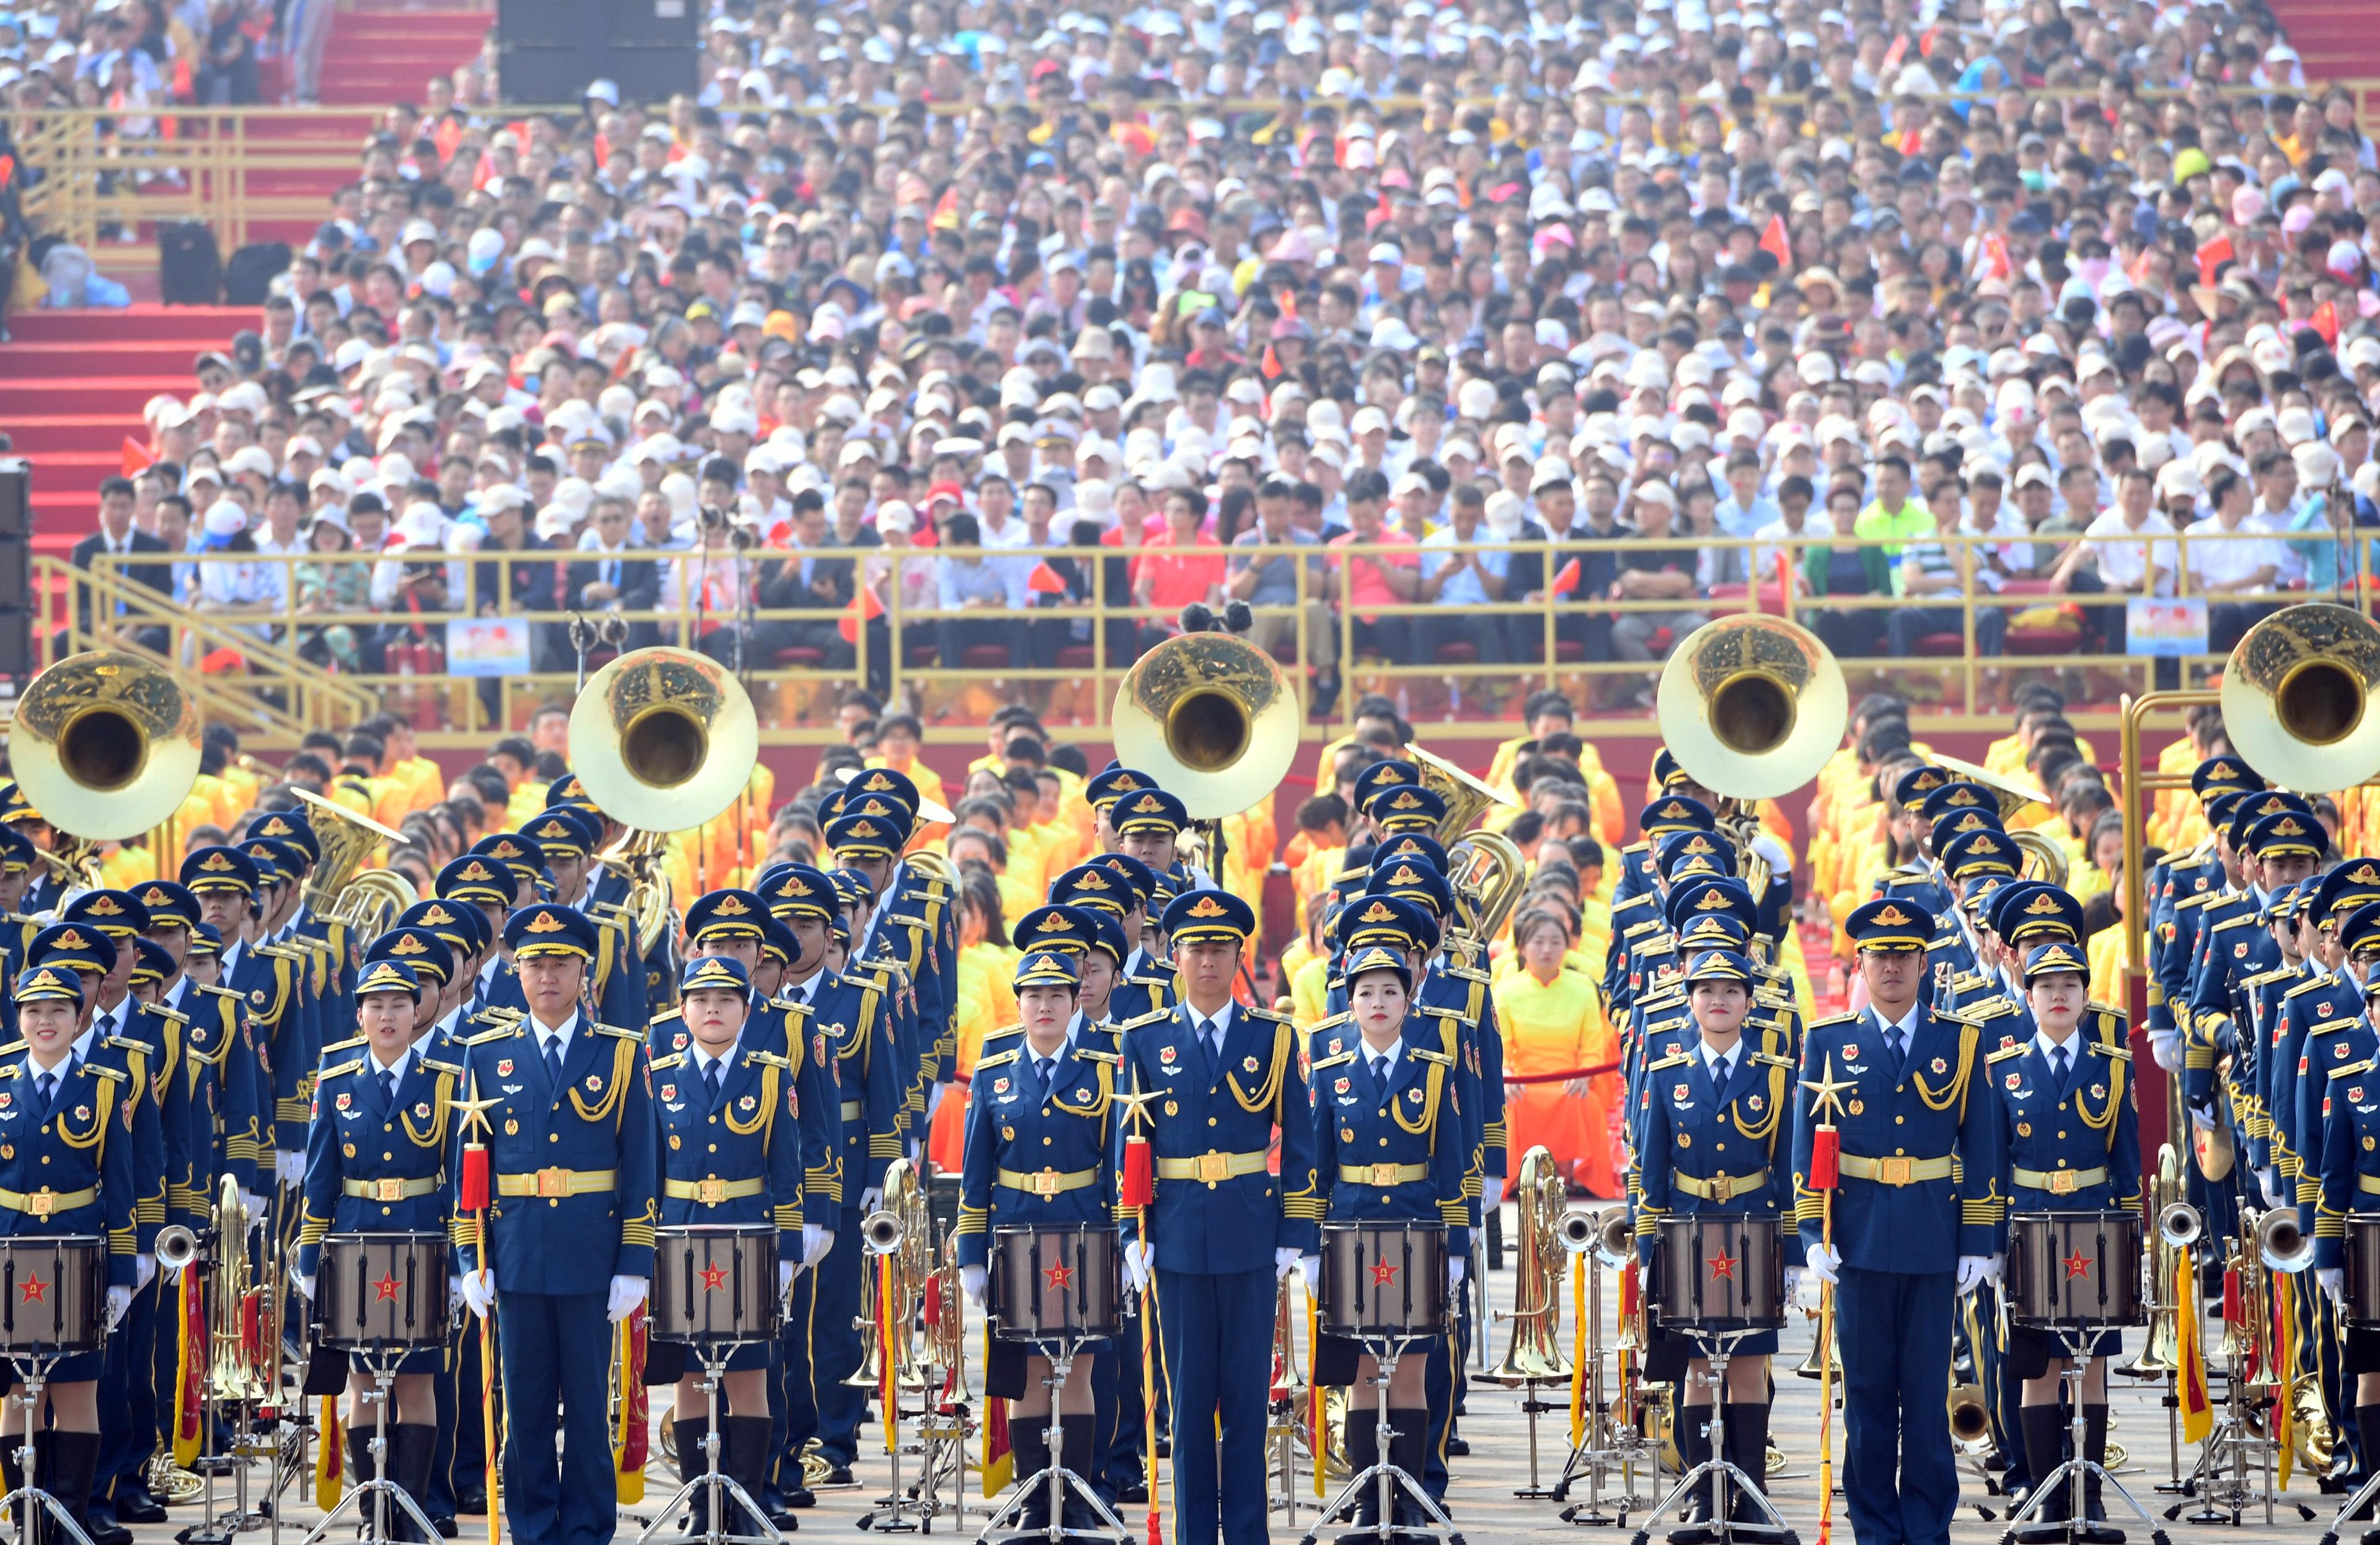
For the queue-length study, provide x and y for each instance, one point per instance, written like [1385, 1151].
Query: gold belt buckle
[2061, 1182]
[553, 1181]
[388, 1190]
[1213, 1167]
[41, 1204]
[1894, 1171]
[1045, 1183]
[1384, 1175]
[711, 1191]
[1722, 1186]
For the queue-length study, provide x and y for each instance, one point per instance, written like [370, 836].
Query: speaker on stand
[16, 658]
[550, 51]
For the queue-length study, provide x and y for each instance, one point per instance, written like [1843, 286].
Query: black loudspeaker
[16, 617]
[189, 265]
[549, 51]
[16, 501]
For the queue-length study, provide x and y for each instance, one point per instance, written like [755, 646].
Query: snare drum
[1055, 1283]
[715, 1283]
[1384, 1281]
[2362, 1310]
[53, 1299]
[2074, 1269]
[382, 1291]
[1716, 1273]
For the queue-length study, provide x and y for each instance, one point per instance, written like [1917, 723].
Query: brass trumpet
[903, 1230]
[1971, 1418]
[2281, 1245]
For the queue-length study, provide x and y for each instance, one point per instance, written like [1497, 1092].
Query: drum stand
[1724, 1478]
[2077, 1467]
[32, 1373]
[381, 1491]
[2235, 1462]
[717, 1487]
[1607, 1445]
[1058, 1479]
[1390, 1481]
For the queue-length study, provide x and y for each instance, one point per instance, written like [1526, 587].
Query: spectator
[1390, 578]
[970, 581]
[1467, 579]
[1894, 517]
[1653, 571]
[1275, 581]
[1848, 565]
[2122, 568]
[117, 538]
[605, 580]
[1180, 567]
[2226, 560]
[1938, 571]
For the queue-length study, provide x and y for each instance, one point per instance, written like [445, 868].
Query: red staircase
[72, 384]
[2335, 38]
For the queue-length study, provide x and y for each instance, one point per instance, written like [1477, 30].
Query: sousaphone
[1211, 718]
[106, 745]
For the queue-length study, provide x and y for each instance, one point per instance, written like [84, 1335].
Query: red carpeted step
[201, 326]
[41, 433]
[120, 395]
[87, 356]
[65, 472]
[2336, 38]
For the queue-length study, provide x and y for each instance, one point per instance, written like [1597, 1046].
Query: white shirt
[560, 1034]
[377, 1069]
[1380, 1062]
[1904, 1028]
[2229, 558]
[703, 1060]
[2123, 563]
[1719, 1064]
[107, 1022]
[1220, 1024]
[2071, 1047]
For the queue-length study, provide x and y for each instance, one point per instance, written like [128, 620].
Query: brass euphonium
[239, 1370]
[1484, 868]
[901, 1229]
[1971, 1418]
[1535, 1353]
[2160, 1352]
[1751, 706]
[340, 887]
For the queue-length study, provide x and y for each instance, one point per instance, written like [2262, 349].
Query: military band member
[2069, 1140]
[66, 1126]
[1708, 1143]
[225, 880]
[1901, 1072]
[2322, 919]
[1224, 1229]
[376, 1163]
[1388, 1144]
[2344, 1107]
[572, 1146]
[1040, 1150]
[731, 1153]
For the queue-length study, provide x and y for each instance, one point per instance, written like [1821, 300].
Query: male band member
[1900, 1071]
[573, 1141]
[1224, 1230]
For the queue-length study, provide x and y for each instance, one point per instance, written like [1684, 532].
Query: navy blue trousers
[557, 1352]
[835, 1343]
[127, 1397]
[458, 1462]
[1219, 1360]
[1901, 1482]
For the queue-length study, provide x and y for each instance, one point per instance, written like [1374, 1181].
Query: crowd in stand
[1605, 311]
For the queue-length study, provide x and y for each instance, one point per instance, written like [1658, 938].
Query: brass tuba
[2160, 1350]
[1211, 718]
[243, 1335]
[1535, 1353]
[1484, 868]
[106, 745]
[2296, 692]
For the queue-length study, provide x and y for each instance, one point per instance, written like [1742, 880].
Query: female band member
[376, 1163]
[731, 1153]
[2070, 1142]
[1710, 1129]
[1388, 1146]
[1039, 1151]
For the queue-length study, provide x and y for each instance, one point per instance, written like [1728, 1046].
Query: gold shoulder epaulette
[1346, 1056]
[1832, 1019]
[2006, 1052]
[619, 1032]
[1438, 1057]
[117, 1074]
[1956, 1016]
[997, 1059]
[1112, 1058]
[339, 1069]
[669, 1014]
[1678, 1061]
[436, 1066]
[1275, 1015]
[1772, 1058]
[2306, 986]
[2120, 1053]
[1151, 1018]
[765, 1059]
[500, 1033]
[2329, 1024]
[348, 1044]
[174, 1014]
[2240, 919]
[663, 1065]
[1339, 1018]
[2351, 1069]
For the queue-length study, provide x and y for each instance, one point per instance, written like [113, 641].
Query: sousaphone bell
[1211, 718]
[1751, 706]
[2297, 696]
[106, 745]
[663, 740]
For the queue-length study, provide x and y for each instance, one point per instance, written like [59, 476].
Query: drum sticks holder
[371, 1500]
[717, 1487]
[2077, 1468]
[1057, 1481]
[33, 1375]
[1389, 1482]
[1722, 1477]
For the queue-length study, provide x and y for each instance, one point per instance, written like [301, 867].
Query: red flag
[1775, 243]
[2212, 256]
[1270, 364]
[864, 608]
[1566, 579]
[2324, 320]
[1893, 55]
[1044, 581]
[135, 457]
[1997, 265]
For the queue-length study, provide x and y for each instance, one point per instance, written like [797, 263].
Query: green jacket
[1817, 558]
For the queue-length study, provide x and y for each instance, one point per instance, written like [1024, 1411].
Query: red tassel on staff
[472, 1187]
[1826, 1158]
[1138, 1188]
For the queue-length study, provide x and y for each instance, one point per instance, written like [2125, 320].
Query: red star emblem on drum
[384, 1291]
[2077, 1265]
[1722, 1265]
[33, 1288]
[1384, 1274]
[714, 1277]
[1061, 1275]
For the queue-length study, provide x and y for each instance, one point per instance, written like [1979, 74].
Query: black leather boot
[1363, 1452]
[1028, 1447]
[1079, 1437]
[692, 1462]
[71, 1460]
[2095, 1448]
[412, 1447]
[2367, 1427]
[1747, 1450]
[1409, 1451]
[744, 1455]
[1692, 1436]
[360, 1455]
[2044, 1428]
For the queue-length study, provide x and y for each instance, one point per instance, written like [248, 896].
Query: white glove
[480, 1290]
[971, 1280]
[289, 1166]
[626, 1294]
[2333, 1281]
[934, 1101]
[871, 1199]
[1825, 1261]
[2166, 1047]
[305, 1283]
[1973, 1272]
[2148, 1277]
[2202, 1117]
[2270, 1179]
[1454, 1269]
[785, 1269]
[1491, 1193]
[254, 1205]
[825, 1248]
[119, 1300]
[1284, 1263]
[1140, 1264]
[815, 1238]
[144, 1268]
[455, 1297]
[1792, 1285]
[1310, 1267]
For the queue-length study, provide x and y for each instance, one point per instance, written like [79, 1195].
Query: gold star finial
[1827, 1093]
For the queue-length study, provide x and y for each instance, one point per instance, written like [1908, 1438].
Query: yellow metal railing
[283, 626]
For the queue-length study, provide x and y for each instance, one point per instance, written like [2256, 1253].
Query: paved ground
[1489, 1511]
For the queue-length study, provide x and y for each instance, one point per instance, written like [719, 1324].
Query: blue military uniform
[1219, 1219]
[572, 1141]
[1916, 1194]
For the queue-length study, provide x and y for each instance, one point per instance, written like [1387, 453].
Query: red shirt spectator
[1182, 566]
